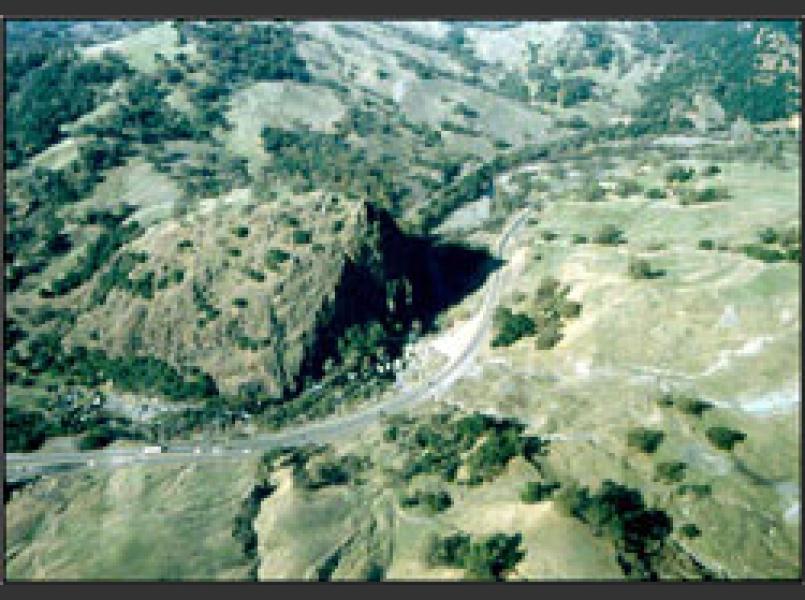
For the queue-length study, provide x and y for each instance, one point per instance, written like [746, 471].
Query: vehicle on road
[154, 449]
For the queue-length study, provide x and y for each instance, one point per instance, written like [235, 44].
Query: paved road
[21, 465]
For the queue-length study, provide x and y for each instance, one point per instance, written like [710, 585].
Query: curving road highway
[21, 465]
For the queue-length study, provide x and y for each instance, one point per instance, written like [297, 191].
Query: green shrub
[690, 405]
[690, 530]
[390, 434]
[609, 235]
[511, 327]
[708, 194]
[241, 231]
[570, 309]
[670, 472]
[97, 437]
[25, 431]
[275, 257]
[628, 187]
[724, 438]
[537, 491]
[638, 532]
[487, 560]
[301, 236]
[700, 490]
[764, 253]
[243, 526]
[790, 237]
[711, 170]
[549, 336]
[768, 235]
[656, 194]
[706, 244]
[680, 174]
[640, 268]
[254, 274]
[591, 191]
[549, 236]
[644, 439]
[240, 302]
[433, 502]
[579, 238]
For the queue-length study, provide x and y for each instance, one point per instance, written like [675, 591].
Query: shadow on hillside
[398, 283]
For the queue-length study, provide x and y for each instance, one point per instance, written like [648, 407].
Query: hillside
[218, 231]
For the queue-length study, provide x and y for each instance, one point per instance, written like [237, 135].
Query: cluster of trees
[511, 327]
[547, 83]
[619, 512]
[243, 526]
[500, 445]
[145, 116]
[96, 257]
[92, 367]
[574, 90]
[487, 560]
[599, 46]
[512, 85]
[551, 308]
[436, 446]
[317, 160]
[209, 175]
[26, 430]
[45, 93]
[117, 276]
[327, 471]
[776, 245]
[238, 51]
[724, 62]
[36, 235]
[462, 191]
